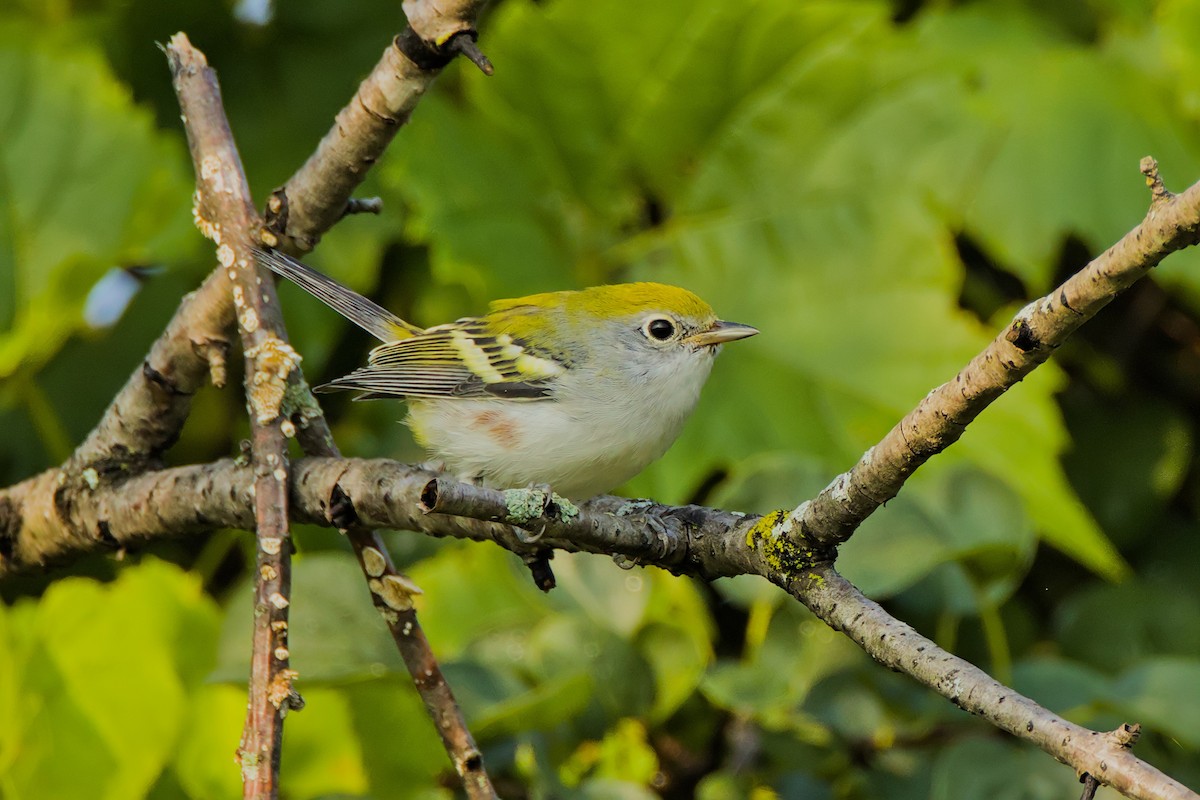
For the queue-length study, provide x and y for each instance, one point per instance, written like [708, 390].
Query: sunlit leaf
[89, 184]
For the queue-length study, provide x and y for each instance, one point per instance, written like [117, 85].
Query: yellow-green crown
[617, 300]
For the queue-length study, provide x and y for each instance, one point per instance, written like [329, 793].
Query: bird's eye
[660, 329]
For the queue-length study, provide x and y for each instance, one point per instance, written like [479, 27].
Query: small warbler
[578, 389]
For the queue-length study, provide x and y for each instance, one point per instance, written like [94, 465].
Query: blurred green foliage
[877, 186]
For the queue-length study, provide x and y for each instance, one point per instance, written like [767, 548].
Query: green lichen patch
[524, 505]
[566, 510]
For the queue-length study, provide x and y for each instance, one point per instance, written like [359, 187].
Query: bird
[578, 390]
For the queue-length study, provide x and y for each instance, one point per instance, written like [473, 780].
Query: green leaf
[499, 596]
[321, 749]
[334, 633]
[89, 184]
[1160, 693]
[675, 639]
[212, 729]
[117, 713]
[1128, 460]
[609, 789]
[771, 684]
[606, 594]
[555, 700]
[622, 679]
[1060, 685]
[1118, 626]
[622, 755]
[960, 516]
[402, 754]
[982, 769]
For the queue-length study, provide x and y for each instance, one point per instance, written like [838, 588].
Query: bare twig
[391, 592]
[147, 415]
[225, 213]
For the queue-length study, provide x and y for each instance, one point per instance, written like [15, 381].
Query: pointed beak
[719, 333]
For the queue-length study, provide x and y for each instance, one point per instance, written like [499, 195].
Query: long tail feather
[371, 317]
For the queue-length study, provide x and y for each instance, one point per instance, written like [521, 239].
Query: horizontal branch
[685, 540]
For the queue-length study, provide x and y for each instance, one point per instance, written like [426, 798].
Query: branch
[391, 592]
[318, 195]
[224, 212]
[53, 515]
[688, 540]
[1172, 223]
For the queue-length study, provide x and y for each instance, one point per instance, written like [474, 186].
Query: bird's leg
[537, 559]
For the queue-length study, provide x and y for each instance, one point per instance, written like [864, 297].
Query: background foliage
[877, 186]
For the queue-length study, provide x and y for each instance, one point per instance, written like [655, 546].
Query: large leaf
[1161, 694]
[982, 769]
[118, 712]
[87, 183]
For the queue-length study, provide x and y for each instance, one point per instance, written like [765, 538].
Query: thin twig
[310, 202]
[391, 592]
[224, 213]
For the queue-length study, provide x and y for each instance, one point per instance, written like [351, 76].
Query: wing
[457, 360]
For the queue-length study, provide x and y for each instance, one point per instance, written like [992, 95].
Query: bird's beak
[719, 333]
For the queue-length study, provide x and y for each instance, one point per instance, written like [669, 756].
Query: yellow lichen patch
[373, 562]
[764, 527]
[281, 686]
[784, 549]
[395, 591]
[226, 256]
[274, 360]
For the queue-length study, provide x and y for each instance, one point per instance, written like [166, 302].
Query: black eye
[660, 329]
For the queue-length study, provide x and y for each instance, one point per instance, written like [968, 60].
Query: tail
[371, 317]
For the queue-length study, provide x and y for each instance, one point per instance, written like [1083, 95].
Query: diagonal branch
[1172, 223]
[311, 201]
[52, 515]
[318, 195]
[392, 593]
